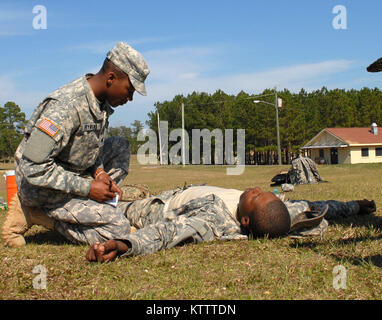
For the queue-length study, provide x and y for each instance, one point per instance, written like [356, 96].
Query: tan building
[346, 145]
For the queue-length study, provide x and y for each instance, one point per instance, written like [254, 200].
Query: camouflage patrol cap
[376, 66]
[308, 219]
[132, 63]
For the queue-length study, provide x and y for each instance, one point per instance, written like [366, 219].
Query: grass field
[258, 269]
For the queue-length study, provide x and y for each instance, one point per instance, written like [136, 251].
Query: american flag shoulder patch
[49, 127]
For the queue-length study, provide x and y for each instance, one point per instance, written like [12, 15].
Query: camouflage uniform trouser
[82, 220]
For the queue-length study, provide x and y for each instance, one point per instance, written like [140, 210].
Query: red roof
[357, 135]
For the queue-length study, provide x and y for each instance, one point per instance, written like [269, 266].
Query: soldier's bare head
[112, 84]
[263, 213]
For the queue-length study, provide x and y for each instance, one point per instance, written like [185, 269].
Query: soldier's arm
[159, 236]
[49, 136]
[338, 209]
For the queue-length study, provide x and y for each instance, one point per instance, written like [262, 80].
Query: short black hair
[272, 220]
[110, 66]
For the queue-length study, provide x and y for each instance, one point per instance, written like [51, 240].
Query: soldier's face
[119, 90]
[253, 198]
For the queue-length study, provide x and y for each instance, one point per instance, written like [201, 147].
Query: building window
[365, 152]
[378, 152]
[321, 153]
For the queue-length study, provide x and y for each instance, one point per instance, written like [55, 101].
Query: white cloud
[7, 86]
[188, 75]
[14, 33]
[179, 63]
[27, 100]
[15, 22]
[14, 15]
[185, 70]
[95, 47]
[292, 77]
[102, 47]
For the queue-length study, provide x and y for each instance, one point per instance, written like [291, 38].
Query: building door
[334, 156]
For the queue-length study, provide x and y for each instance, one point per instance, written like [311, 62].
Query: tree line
[12, 124]
[301, 117]
[129, 133]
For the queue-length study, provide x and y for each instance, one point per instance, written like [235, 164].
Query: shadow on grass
[340, 242]
[375, 260]
[46, 237]
[358, 261]
[369, 220]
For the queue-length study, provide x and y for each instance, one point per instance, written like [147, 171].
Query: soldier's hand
[366, 206]
[103, 176]
[107, 251]
[115, 188]
[101, 190]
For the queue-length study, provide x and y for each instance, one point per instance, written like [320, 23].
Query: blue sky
[189, 46]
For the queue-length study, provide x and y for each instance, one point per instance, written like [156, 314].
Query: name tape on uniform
[91, 126]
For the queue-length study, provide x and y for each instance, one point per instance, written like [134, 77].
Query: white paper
[113, 201]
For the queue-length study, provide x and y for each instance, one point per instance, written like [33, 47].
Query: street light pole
[276, 104]
[183, 151]
[160, 140]
[277, 128]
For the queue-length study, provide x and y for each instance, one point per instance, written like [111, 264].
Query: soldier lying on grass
[205, 213]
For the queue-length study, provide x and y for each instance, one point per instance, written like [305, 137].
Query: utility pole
[160, 140]
[278, 102]
[277, 128]
[183, 152]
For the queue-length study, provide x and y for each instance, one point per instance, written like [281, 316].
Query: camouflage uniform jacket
[203, 219]
[62, 140]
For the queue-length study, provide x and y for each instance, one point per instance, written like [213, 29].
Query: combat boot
[20, 219]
